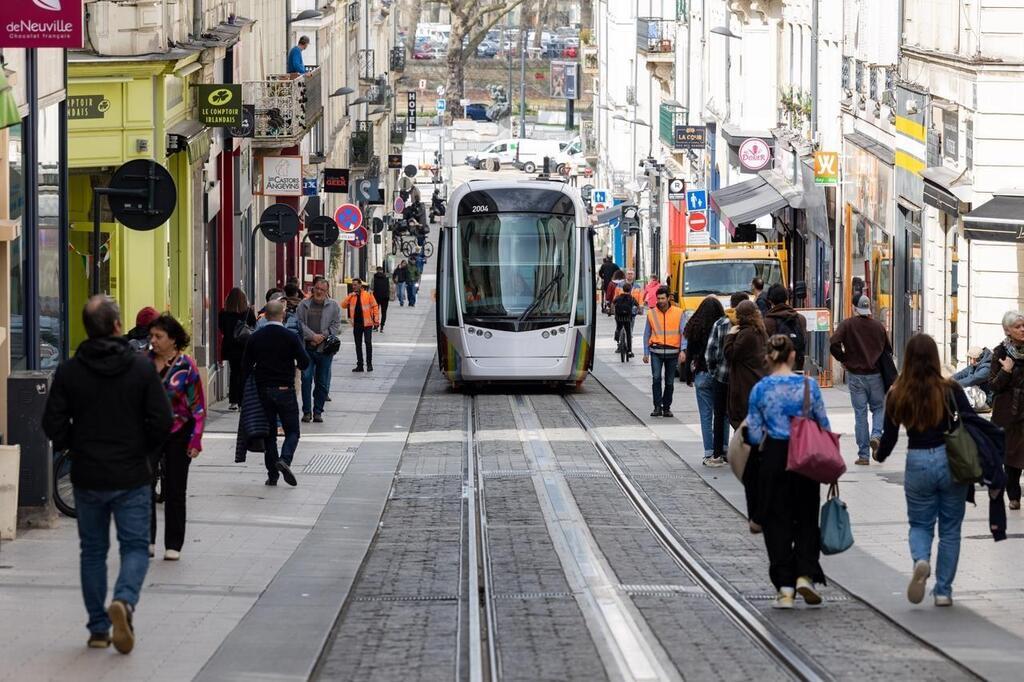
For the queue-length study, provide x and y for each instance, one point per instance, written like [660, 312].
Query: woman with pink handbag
[787, 502]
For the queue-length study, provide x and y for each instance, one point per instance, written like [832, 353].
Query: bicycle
[622, 338]
[63, 491]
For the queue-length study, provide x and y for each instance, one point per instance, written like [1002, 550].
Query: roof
[999, 220]
[746, 201]
[872, 146]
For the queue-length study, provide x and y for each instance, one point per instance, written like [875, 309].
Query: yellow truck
[723, 269]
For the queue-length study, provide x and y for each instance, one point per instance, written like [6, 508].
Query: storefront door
[909, 278]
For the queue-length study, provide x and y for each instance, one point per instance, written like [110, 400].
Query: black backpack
[789, 326]
[624, 305]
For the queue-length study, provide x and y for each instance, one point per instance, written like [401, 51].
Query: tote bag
[739, 452]
[836, 532]
[961, 450]
[813, 451]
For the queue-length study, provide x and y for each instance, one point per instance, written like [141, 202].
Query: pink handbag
[813, 451]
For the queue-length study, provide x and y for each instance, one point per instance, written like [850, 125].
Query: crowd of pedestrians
[122, 468]
[746, 363]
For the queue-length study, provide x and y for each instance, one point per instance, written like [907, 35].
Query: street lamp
[340, 92]
[632, 121]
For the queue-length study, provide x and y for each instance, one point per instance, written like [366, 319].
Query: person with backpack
[236, 322]
[781, 318]
[625, 310]
[138, 336]
[859, 342]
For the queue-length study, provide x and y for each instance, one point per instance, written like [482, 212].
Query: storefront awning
[999, 220]
[746, 201]
[192, 136]
[8, 106]
[944, 189]
[885, 154]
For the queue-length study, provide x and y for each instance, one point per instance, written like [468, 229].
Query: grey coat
[330, 320]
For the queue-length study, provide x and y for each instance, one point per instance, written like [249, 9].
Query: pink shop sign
[42, 23]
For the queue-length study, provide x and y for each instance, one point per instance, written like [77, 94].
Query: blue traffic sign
[442, 104]
[599, 196]
[697, 200]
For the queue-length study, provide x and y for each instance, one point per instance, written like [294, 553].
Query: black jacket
[108, 407]
[381, 287]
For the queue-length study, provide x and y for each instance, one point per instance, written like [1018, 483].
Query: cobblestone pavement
[240, 534]
[984, 630]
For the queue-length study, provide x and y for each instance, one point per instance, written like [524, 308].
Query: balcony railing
[379, 92]
[398, 59]
[352, 13]
[398, 131]
[366, 65]
[670, 115]
[360, 149]
[285, 107]
[655, 35]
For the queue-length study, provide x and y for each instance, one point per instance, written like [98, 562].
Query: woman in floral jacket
[185, 390]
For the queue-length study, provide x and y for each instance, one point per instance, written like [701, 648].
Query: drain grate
[425, 597]
[586, 473]
[759, 596]
[533, 595]
[327, 463]
[508, 473]
[687, 590]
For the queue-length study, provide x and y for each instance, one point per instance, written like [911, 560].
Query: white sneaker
[805, 588]
[152, 551]
[171, 555]
[716, 462]
[918, 581]
[785, 599]
[943, 600]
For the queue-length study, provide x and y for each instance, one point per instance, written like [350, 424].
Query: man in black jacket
[108, 407]
[382, 294]
[272, 355]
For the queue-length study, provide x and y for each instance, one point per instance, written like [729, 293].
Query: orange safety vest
[665, 326]
[371, 311]
[637, 295]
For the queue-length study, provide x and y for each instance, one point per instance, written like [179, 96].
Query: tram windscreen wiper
[545, 290]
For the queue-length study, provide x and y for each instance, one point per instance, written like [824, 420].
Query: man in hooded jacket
[108, 407]
[782, 318]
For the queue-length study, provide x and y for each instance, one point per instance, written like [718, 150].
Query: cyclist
[625, 308]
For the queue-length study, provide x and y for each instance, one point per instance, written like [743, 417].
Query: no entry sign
[697, 221]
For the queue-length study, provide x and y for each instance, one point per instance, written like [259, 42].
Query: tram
[515, 284]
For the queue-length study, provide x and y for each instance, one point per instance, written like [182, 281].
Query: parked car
[503, 152]
[531, 153]
[423, 50]
[486, 49]
[477, 112]
[570, 51]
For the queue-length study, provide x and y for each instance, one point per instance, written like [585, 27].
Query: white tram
[515, 284]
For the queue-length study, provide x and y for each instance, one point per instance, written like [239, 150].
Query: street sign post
[676, 189]
[323, 231]
[697, 221]
[697, 200]
[348, 217]
[441, 105]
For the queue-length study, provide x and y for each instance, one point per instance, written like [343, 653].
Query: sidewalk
[240, 533]
[984, 629]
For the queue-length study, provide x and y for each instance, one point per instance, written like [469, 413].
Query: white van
[531, 153]
[503, 151]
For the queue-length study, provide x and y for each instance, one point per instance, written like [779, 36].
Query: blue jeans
[663, 365]
[410, 289]
[400, 292]
[867, 390]
[130, 509]
[316, 380]
[279, 403]
[704, 385]
[933, 494]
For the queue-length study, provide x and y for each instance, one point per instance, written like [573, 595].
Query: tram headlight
[470, 330]
[488, 335]
[561, 330]
[479, 332]
[545, 334]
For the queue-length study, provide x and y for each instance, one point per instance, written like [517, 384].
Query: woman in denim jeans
[920, 400]
[697, 332]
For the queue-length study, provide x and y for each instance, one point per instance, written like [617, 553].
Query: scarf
[1014, 350]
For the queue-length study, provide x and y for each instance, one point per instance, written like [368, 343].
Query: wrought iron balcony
[360, 149]
[398, 131]
[367, 71]
[352, 13]
[379, 92]
[286, 107]
[398, 58]
[655, 35]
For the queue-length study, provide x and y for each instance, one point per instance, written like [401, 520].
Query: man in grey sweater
[319, 317]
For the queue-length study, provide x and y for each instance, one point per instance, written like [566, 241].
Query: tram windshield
[517, 267]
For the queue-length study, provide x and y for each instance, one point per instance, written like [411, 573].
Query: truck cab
[722, 269]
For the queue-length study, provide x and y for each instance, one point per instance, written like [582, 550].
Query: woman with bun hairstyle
[787, 502]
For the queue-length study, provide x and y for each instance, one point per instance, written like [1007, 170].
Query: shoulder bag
[813, 451]
[961, 450]
[836, 531]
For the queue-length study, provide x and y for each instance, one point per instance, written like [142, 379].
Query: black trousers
[1013, 482]
[788, 507]
[174, 455]
[621, 324]
[383, 312]
[720, 420]
[234, 358]
[363, 335]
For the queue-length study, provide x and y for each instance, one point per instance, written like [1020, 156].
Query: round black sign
[377, 225]
[279, 223]
[150, 195]
[410, 171]
[323, 231]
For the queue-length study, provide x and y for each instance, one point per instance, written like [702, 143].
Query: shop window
[16, 209]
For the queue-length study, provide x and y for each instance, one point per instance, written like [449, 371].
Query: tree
[471, 20]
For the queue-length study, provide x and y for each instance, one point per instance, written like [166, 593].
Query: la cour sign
[42, 23]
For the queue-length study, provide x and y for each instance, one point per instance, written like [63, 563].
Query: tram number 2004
[480, 209]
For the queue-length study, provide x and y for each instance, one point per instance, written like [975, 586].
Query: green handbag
[961, 450]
